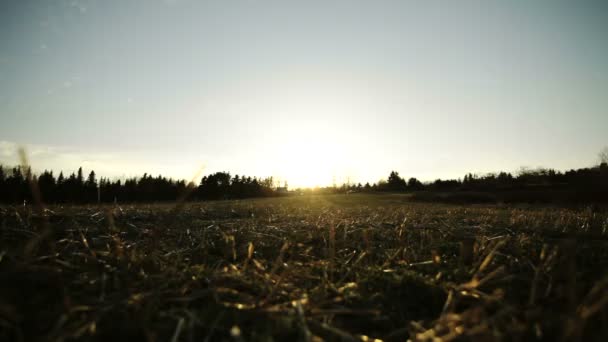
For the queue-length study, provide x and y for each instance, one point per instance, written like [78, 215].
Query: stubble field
[335, 267]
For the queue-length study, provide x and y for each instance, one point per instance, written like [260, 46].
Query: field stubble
[344, 267]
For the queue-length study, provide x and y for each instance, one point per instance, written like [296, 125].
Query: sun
[309, 158]
[313, 142]
[307, 165]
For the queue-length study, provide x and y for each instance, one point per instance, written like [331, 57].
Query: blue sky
[307, 91]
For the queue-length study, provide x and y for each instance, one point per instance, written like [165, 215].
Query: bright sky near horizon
[306, 91]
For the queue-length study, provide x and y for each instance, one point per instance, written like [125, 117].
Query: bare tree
[603, 155]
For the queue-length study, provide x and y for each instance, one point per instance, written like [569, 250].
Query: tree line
[18, 184]
[594, 178]
[529, 185]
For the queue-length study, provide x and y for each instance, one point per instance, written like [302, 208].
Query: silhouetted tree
[16, 186]
[90, 188]
[60, 179]
[3, 191]
[395, 183]
[80, 178]
[414, 184]
[603, 155]
[47, 186]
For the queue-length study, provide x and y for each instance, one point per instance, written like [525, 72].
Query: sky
[310, 92]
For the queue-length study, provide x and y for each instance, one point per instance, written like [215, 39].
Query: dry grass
[355, 268]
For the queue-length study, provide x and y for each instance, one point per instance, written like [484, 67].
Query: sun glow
[309, 157]
[313, 141]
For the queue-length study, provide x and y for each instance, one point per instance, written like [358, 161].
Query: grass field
[336, 267]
